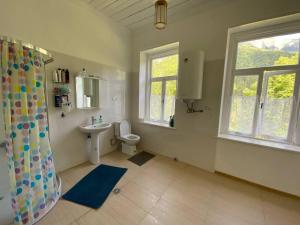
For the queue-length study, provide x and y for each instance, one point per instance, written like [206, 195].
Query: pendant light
[160, 14]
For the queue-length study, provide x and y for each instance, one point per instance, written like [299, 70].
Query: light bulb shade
[161, 7]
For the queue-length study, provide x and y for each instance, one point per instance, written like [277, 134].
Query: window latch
[261, 105]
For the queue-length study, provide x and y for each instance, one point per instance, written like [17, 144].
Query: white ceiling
[137, 13]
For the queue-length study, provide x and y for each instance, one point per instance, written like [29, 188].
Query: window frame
[254, 125]
[163, 80]
[263, 29]
[267, 75]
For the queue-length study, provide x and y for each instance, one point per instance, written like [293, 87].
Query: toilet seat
[133, 137]
[128, 139]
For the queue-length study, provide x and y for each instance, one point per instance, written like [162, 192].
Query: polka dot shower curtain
[34, 188]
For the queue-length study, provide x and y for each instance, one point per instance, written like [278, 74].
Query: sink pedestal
[94, 147]
[95, 139]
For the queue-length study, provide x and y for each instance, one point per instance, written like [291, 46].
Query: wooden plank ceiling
[137, 13]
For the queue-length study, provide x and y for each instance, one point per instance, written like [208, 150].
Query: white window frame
[263, 29]
[150, 79]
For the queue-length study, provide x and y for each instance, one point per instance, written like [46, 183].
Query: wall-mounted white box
[190, 77]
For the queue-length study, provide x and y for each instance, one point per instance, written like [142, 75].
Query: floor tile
[155, 184]
[139, 195]
[124, 211]
[98, 217]
[132, 169]
[171, 213]
[246, 197]
[280, 209]
[221, 218]
[71, 176]
[123, 181]
[166, 192]
[188, 200]
[150, 220]
[74, 223]
[164, 168]
[251, 215]
[63, 213]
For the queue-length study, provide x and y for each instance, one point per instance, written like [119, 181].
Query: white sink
[95, 128]
[95, 139]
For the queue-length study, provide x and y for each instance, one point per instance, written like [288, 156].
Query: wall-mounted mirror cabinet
[87, 92]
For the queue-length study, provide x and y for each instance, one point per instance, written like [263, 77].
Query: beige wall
[195, 138]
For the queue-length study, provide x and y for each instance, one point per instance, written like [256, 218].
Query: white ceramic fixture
[129, 140]
[95, 141]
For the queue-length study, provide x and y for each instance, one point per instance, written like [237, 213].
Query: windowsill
[163, 125]
[271, 144]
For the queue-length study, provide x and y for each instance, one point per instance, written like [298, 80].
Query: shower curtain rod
[28, 45]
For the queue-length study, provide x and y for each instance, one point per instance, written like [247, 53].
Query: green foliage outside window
[166, 66]
[280, 90]
[279, 87]
[283, 86]
[162, 67]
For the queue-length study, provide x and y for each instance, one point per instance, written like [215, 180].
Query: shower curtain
[33, 181]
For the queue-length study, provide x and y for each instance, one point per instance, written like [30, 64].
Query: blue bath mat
[94, 188]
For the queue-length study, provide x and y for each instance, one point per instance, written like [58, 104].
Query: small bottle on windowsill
[172, 121]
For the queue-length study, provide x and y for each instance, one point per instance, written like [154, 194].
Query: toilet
[129, 140]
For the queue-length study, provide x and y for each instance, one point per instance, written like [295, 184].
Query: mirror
[87, 92]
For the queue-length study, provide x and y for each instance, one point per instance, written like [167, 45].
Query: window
[160, 81]
[163, 83]
[261, 84]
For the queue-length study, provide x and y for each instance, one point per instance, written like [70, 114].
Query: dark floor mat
[141, 158]
[94, 188]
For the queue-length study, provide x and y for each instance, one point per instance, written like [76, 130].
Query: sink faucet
[93, 120]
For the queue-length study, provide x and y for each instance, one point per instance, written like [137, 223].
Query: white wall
[195, 138]
[79, 37]
[67, 142]
[274, 168]
[69, 27]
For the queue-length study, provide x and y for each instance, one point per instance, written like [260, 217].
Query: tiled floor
[165, 192]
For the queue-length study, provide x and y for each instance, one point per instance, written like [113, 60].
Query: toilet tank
[117, 129]
[125, 128]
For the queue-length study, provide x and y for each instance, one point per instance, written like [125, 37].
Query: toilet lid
[124, 128]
